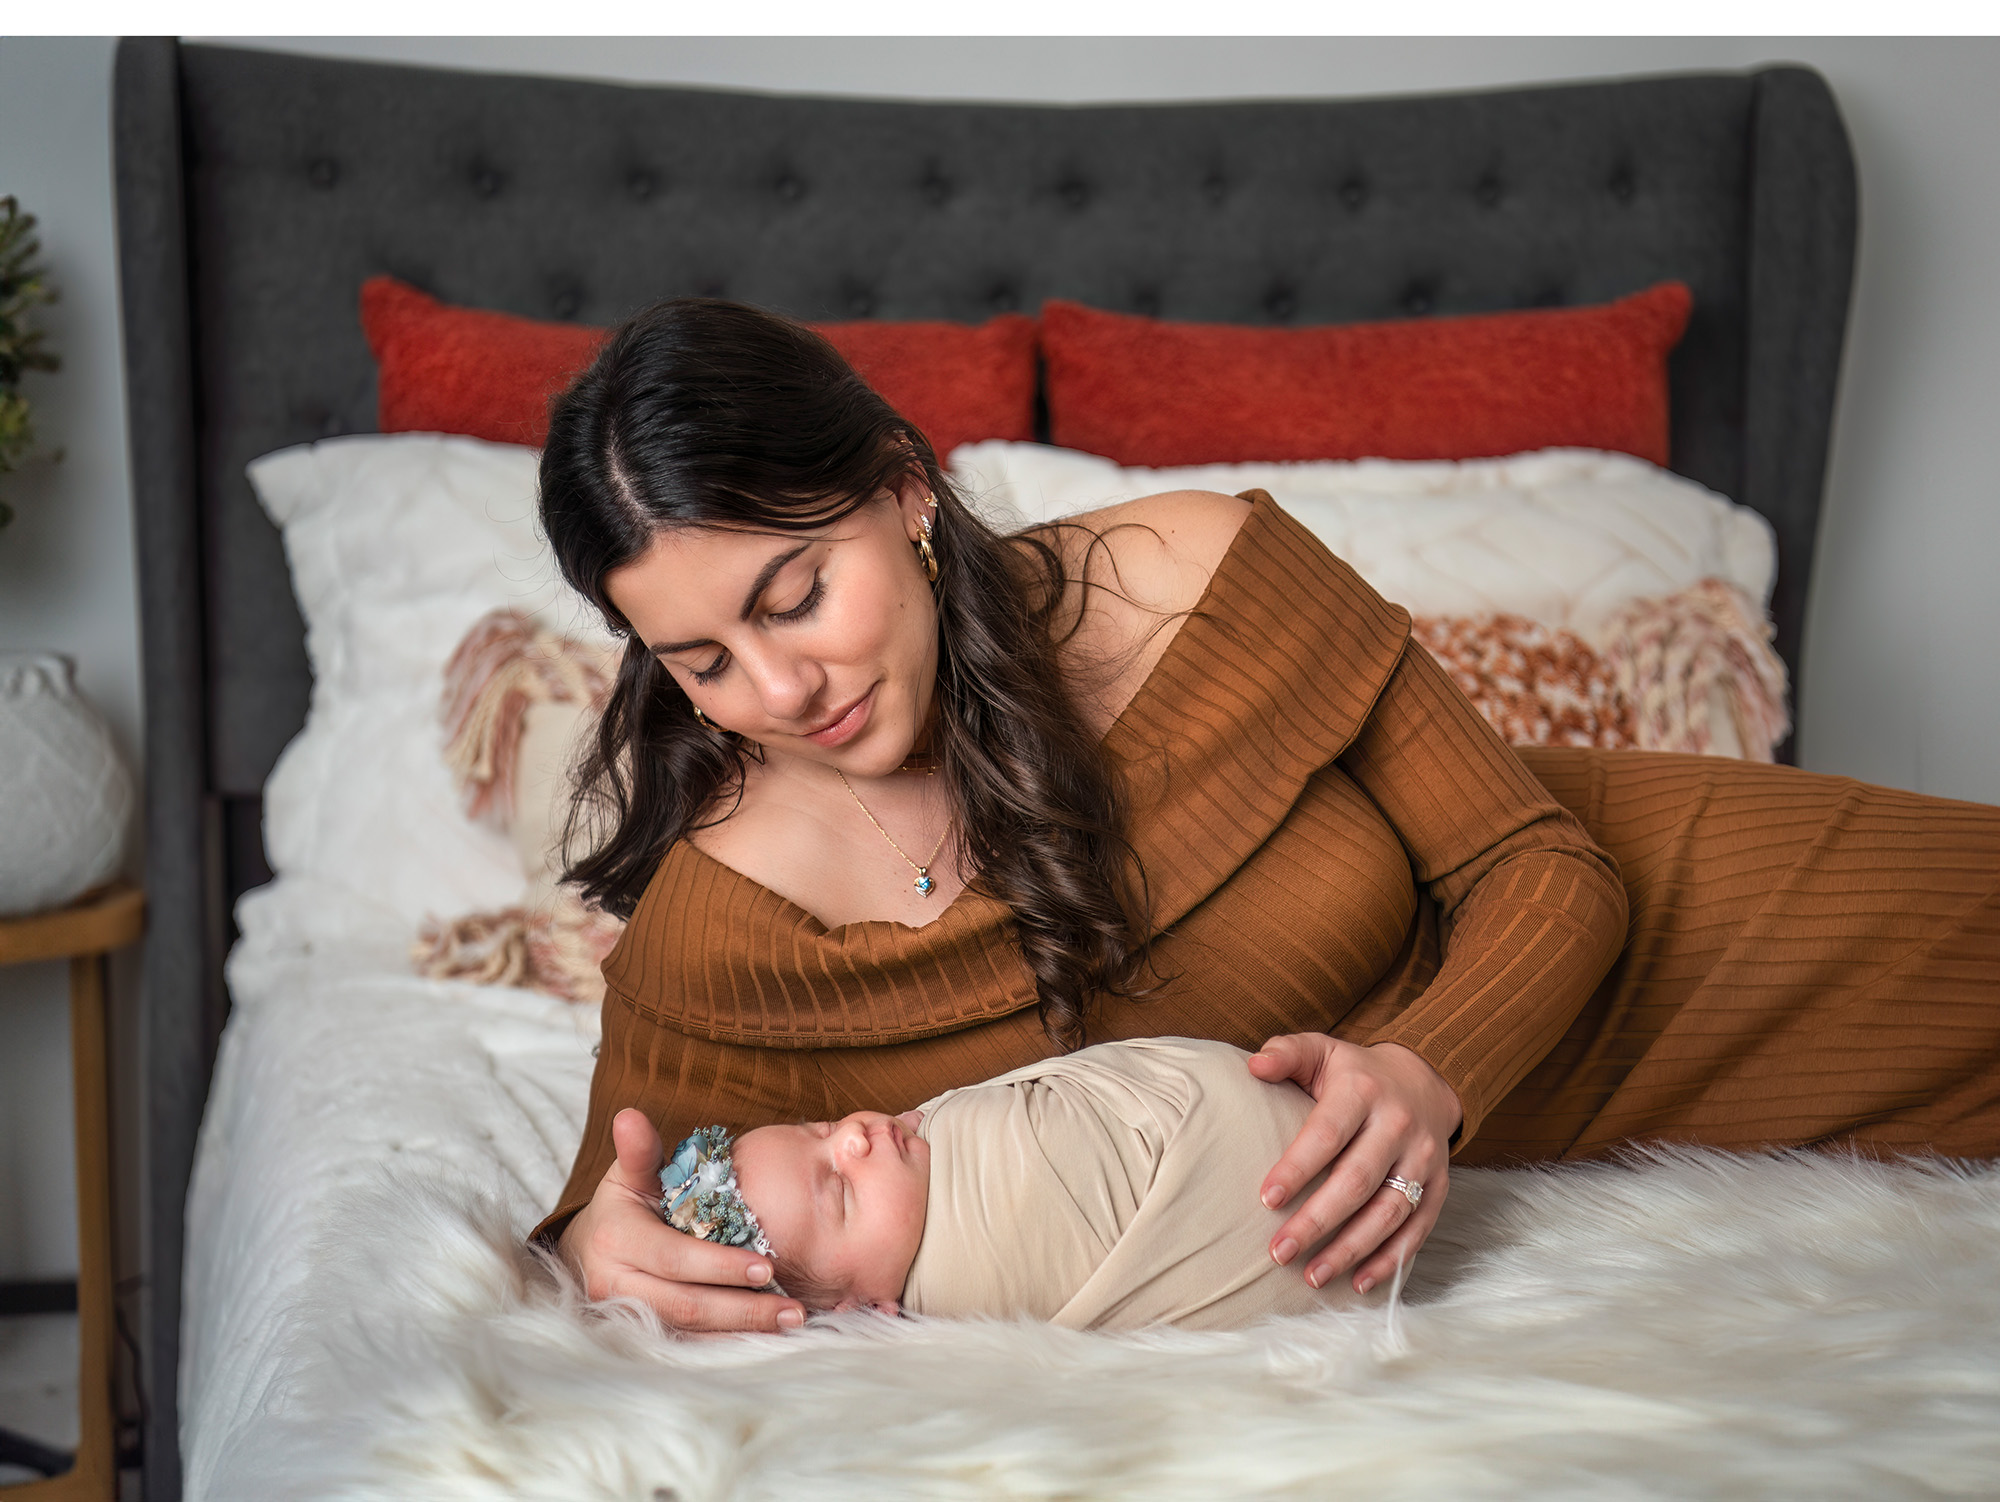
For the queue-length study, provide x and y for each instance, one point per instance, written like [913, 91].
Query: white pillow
[1563, 536]
[398, 544]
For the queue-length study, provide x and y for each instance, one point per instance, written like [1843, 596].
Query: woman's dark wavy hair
[706, 413]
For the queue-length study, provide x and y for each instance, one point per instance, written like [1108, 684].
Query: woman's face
[818, 644]
[844, 1198]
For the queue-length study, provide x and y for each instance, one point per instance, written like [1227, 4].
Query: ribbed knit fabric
[1334, 840]
[1811, 960]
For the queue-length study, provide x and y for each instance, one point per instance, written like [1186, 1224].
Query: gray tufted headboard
[256, 191]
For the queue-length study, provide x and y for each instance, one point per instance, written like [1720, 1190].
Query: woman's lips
[847, 726]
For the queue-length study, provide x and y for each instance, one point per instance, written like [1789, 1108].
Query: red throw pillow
[444, 369]
[1146, 392]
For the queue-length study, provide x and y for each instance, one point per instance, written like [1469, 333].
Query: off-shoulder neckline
[1260, 505]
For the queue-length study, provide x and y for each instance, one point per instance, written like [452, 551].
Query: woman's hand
[622, 1249]
[1379, 1110]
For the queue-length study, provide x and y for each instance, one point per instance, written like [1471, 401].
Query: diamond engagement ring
[1410, 1191]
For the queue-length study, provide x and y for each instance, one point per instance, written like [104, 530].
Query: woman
[895, 804]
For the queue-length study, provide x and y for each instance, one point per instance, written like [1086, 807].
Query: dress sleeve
[1532, 912]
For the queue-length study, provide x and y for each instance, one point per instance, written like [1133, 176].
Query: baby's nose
[855, 1139]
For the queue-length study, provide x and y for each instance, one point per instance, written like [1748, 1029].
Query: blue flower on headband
[698, 1193]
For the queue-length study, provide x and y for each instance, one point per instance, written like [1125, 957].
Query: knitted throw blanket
[552, 942]
[506, 663]
[1652, 676]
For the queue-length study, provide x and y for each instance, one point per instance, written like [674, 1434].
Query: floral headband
[698, 1194]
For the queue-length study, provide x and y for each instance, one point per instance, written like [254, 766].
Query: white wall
[66, 578]
[1901, 686]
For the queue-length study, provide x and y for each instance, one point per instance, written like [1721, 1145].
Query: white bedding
[363, 1325]
[336, 1066]
[1567, 537]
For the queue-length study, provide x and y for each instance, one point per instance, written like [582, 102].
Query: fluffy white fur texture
[1685, 1325]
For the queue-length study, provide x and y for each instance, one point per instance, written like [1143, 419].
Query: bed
[256, 192]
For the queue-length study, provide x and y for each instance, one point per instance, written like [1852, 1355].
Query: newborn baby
[1111, 1189]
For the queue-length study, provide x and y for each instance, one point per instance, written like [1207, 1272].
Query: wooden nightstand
[84, 934]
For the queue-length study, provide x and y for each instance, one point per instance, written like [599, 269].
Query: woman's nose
[785, 683]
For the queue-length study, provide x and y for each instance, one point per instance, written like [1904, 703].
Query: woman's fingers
[1349, 1185]
[641, 1154]
[1377, 1110]
[691, 1284]
[1298, 1057]
[680, 1258]
[1327, 1131]
[1401, 1248]
[624, 1250]
[1387, 1215]
[696, 1307]
[630, 1235]
[1336, 1115]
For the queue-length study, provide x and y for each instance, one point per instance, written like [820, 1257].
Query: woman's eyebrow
[757, 587]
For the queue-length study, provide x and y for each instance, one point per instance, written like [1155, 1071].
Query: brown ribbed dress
[1334, 840]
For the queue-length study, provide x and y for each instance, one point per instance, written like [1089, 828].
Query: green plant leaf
[24, 287]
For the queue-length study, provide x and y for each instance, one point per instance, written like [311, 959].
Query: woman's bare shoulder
[1136, 569]
[1158, 551]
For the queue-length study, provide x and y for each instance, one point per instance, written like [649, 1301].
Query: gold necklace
[924, 885]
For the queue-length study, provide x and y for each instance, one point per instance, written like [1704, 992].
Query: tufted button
[1074, 192]
[1487, 190]
[790, 187]
[1548, 297]
[1215, 187]
[1419, 298]
[1281, 302]
[860, 302]
[1621, 184]
[323, 172]
[935, 188]
[567, 302]
[642, 183]
[1003, 297]
[713, 287]
[487, 181]
[1353, 193]
[1146, 300]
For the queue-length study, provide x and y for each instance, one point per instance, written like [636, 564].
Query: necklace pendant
[924, 885]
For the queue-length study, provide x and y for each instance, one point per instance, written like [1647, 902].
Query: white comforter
[338, 1067]
[362, 1324]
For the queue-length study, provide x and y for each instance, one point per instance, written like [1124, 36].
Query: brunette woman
[895, 804]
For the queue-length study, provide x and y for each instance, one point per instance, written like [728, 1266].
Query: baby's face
[843, 1198]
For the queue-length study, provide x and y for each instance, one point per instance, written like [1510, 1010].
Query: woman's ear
[914, 502]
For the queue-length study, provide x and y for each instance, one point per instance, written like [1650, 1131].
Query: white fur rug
[1692, 1325]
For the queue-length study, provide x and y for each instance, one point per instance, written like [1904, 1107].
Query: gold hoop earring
[924, 549]
[706, 723]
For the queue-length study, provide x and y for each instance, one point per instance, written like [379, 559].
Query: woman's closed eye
[798, 612]
[806, 606]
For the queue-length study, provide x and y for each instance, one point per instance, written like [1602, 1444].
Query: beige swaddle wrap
[1111, 1189]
